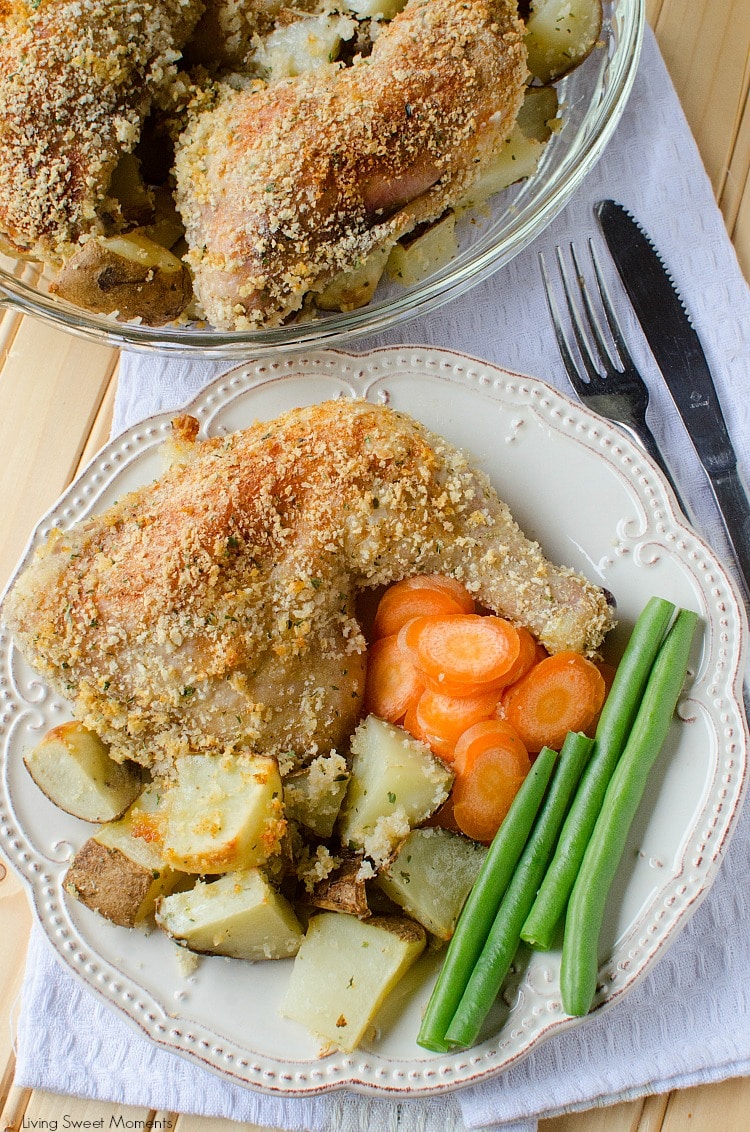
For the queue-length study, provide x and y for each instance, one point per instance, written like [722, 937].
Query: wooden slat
[707, 57]
[717, 1108]
[15, 917]
[612, 1118]
[51, 388]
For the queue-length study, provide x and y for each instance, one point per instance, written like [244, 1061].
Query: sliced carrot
[392, 684]
[441, 719]
[531, 652]
[490, 769]
[444, 817]
[484, 736]
[463, 655]
[561, 693]
[410, 722]
[420, 596]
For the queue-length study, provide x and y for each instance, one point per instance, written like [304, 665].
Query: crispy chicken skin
[214, 609]
[77, 78]
[283, 187]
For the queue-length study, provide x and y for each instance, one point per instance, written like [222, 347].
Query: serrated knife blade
[679, 355]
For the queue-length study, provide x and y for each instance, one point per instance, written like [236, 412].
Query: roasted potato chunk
[240, 915]
[121, 872]
[130, 275]
[396, 783]
[344, 969]
[223, 813]
[72, 767]
[560, 34]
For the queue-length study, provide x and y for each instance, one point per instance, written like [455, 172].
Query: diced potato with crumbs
[304, 44]
[375, 9]
[121, 872]
[130, 275]
[71, 765]
[413, 260]
[393, 776]
[344, 969]
[354, 288]
[313, 795]
[240, 915]
[560, 34]
[223, 813]
[431, 876]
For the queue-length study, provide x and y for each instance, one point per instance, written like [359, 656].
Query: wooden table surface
[58, 393]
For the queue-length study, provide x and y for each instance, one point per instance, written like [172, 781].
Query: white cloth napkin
[688, 1022]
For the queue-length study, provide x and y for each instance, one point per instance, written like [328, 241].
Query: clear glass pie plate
[592, 99]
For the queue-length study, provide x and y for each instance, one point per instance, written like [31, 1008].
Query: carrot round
[441, 720]
[483, 736]
[420, 596]
[562, 693]
[531, 652]
[392, 684]
[491, 764]
[461, 655]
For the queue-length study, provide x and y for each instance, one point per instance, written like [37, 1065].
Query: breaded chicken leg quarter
[214, 609]
[283, 187]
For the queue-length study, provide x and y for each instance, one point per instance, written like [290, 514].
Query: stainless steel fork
[601, 371]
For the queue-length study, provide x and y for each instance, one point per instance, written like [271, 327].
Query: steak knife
[679, 355]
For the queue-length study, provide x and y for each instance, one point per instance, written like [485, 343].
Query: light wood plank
[15, 916]
[14, 1108]
[613, 1118]
[735, 203]
[652, 1114]
[706, 53]
[51, 386]
[724, 1107]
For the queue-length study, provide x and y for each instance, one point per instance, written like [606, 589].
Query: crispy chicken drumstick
[214, 610]
[284, 187]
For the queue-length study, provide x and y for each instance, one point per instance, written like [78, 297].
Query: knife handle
[735, 511]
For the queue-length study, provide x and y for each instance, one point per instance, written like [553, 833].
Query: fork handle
[646, 439]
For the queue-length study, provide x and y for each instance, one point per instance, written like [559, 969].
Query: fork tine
[609, 360]
[589, 364]
[608, 308]
[571, 367]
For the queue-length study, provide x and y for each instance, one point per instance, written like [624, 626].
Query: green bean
[612, 730]
[505, 934]
[482, 904]
[579, 968]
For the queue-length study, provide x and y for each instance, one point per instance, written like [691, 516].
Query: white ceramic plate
[595, 503]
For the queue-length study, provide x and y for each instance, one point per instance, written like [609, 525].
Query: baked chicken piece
[77, 78]
[284, 186]
[214, 609]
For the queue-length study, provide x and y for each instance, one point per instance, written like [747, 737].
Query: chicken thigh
[283, 187]
[214, 609]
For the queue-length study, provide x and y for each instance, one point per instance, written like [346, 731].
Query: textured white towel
[688, 1022]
